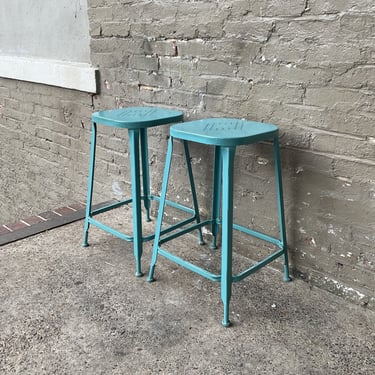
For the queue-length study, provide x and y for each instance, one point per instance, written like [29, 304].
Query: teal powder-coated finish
[136, 120]
[225, 135]
[224, 131]
[137, 117]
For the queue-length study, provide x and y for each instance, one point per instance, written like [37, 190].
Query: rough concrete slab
[70, 310]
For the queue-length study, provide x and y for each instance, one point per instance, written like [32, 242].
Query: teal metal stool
[137, 120]
[224, 134]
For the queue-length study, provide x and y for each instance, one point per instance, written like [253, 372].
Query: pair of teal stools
[224, 134]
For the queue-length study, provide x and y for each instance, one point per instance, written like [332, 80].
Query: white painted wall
[47, 41]
[51, 29]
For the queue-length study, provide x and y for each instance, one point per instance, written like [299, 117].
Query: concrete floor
[69, 310]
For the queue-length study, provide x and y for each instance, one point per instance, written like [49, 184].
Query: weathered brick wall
[305, 65]
[44, 147]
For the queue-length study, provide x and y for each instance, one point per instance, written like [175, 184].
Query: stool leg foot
[150, 278]
[85, 238]
[154, 257]
[226, 323]
[213, 243]
[226, 298]
[138, 267]
[287, 277]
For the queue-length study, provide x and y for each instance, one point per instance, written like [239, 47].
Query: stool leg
[145, 173]
[136, 198]
[280, 207]
[193, 191]
[159, 220]
[216, 197]
[90, 185]
[227, 230]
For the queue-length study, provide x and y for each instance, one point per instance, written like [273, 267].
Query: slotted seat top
[137, 117]
[223, 131]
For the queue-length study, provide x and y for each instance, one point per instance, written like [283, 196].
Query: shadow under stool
[136, 120]
[224, 134]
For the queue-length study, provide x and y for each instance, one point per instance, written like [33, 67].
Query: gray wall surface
[53, 29]
[306, 66]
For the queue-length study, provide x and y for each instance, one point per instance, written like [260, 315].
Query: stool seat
[223, 131]
[137, 117]
[225, 134]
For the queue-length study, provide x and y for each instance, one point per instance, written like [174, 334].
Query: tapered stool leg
[216, 197]
[227, 230]
[163, 197]
[280, 207]
[145, 172]
[136, 198]
[193, 191]
[90, 185]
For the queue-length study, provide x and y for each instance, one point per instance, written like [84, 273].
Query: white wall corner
[71, 75]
